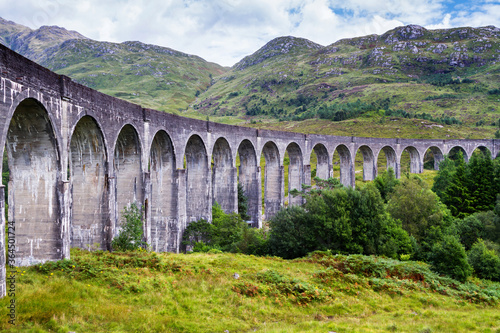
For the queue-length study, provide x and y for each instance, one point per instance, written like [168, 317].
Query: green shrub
[448, 257]
[342, 220]
[292, 234]
[469, 230]
[417, 207]
[130, 236]
[385, 183]
[197, 232]
[227, 232]
[485, 262]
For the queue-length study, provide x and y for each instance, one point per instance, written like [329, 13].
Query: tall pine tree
[456, 195]
[443, 179]
[481, 182]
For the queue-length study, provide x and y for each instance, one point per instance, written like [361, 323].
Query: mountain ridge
[153, 76]
[408, 72]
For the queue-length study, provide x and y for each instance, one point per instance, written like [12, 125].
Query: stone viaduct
[77, 157]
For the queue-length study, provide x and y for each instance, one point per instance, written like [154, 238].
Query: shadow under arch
[369, 164]
[483, 150]
[197, 180]
[127, 167]
[455, 150]
[390, 159]
[250, 180]
[415, 164]
[34, 167]
[164, 194]
[224, 177]
[89, 188]
[346, 166]
[295, 172]
[323, 161]
[273, 175]
[437, 157]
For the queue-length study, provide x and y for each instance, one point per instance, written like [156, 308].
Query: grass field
[149, 292]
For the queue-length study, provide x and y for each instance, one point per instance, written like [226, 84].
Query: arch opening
[88, 181]
[295, 173]
[127, 166]
[273, 175]
[484, 151]
[224, 184]
[248, 177]
[387, 160]
[410, 161]
[367, 163]
[163, 194]
[433, 156]
[322, 162]
[34, 167]
[342, 157]
[197, 180]
[453, 153]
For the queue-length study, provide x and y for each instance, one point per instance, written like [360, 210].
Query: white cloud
[224, 31]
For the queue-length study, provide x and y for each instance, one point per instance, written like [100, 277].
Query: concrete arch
[30, 94]
[438, 155]
[249, 178]
[128, 173]
[369, 163]
[295, 172]
[197, 180]
[224, 177]
[464, 152]
[391, 159]
[34, 194]
[346, 165]
[323, 166]
[273, 179]
[484, 149]
[164, 203]
[89, 188]
[416, 165]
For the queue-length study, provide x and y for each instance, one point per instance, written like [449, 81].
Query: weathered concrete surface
[33, 185]
[78, 157]
[163, 182]
[89, 187]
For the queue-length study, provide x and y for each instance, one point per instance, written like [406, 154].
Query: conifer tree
[242, 203]
[443, 179]
[456, 195]
[481, 182]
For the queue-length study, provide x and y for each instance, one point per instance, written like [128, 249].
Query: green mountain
[149, 75]
[408, 82]
[428, 79]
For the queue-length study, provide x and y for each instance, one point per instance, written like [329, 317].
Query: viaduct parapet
[77, 157]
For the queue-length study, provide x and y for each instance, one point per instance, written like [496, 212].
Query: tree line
[455, 226]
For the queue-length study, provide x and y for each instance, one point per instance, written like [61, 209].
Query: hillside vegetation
[409, 82]
[149, 75]
[152, 292]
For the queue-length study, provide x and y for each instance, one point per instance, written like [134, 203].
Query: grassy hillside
[149, 75]
[438, 77]
[149, 292]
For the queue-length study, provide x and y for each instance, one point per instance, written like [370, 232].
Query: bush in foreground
[448, 257]
[130, 236]
[485, 262]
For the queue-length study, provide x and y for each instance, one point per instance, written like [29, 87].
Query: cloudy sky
[224, 31]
